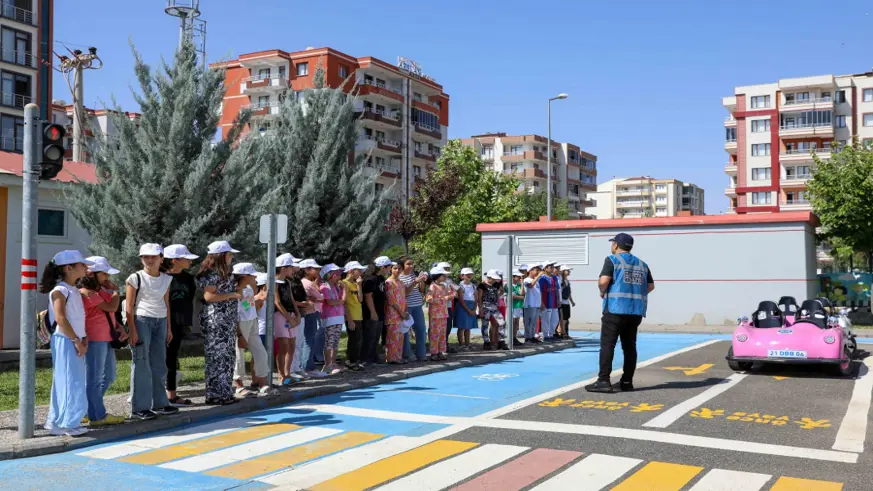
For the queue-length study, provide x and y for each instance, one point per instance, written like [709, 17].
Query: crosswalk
[318, 458]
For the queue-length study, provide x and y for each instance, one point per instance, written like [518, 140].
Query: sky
[645, 79]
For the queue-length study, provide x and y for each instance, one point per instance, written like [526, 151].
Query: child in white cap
[466, 316]
[333, 315]
[247, 333]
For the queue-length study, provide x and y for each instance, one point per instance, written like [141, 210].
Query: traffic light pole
[27, 353]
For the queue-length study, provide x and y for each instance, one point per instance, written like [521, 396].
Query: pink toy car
[789, 308]
[813, 338]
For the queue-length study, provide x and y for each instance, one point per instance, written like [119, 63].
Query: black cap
[623, 240]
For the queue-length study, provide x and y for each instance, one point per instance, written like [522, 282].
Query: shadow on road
[690, 384]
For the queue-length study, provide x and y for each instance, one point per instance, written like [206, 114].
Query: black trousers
[612, 328]
[356, 337]
[173, 353]
[370, 341]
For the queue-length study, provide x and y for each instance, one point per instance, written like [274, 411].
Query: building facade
[574, 172]
[24, 26]
[98, 124]
[772, 130]
[644, 196]
[404, 114]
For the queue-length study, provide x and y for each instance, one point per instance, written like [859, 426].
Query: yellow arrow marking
[780, 378]
[692, 370]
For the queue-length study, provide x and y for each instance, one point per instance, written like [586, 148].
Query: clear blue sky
[645, 78]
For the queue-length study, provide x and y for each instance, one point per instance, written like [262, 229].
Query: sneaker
[85, 420]
[55, 431]
[166, 411]
[143, 415]
[267, 392]
[109, 420]
[180, 402]
[298, 376]
[81, 430]
[502, 345]
[624, 386]
[486, 346]
[602, 386]
[316, 374]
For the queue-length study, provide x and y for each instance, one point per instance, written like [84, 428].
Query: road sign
[504, 248]
[281, 229]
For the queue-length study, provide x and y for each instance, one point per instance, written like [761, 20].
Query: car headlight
[829, 339]
[743, 319]
[742, 338]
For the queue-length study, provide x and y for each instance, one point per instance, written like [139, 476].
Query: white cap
[308, 263]
[353, 265]
[523, 267]
[178, 251]
[328, 269]
[467, 271]
[261, 279]
[446, 266]
[286, 260]
[383, 261]
[437, 271]
[564, 267]
[244, 269]
[546, 263]
[70, 257]
[493, 275]
[101, 265]
[220, 246]
[499, 272]
[150, 250]
[516, 272]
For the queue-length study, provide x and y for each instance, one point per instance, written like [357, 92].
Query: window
[730, 134]
[417, 146]
[841, 96]
[428, 120]
[840, 121]
[868, 95]
[11, 133]
[806, 119]
[51, 223]
[868, 119]
[803, 171]
[14, 89]
[379, 188]
[264, 73]
[516, 150]
[761, 198]
[660, 187]
[760, 149]
[343, 71]
[263, 101]
[417, 97]
[760, 125]
[16, 47]
[826, 96]
[761, 174]
[488, 152]
[867, 142]
[302, 69]
[282, 72]
[416, 171]
[760, 101]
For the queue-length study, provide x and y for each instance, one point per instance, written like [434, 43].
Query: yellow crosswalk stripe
[203, 445]
[659, 476]
[396, 466]
[795, 484]
[273, 462]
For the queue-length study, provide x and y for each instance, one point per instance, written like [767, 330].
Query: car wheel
[738, 366]
[846, 365]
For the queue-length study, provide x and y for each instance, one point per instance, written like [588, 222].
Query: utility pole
[76, 65]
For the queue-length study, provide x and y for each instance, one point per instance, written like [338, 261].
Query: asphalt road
[692, 424]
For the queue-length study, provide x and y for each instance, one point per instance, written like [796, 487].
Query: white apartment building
[644, 196]
[97, 122]
[23, 79]
[574, 172]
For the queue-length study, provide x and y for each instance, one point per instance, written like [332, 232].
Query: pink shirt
[314, 294]
[331, 293]
[96, 324]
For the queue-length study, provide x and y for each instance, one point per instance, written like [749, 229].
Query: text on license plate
[785, 353]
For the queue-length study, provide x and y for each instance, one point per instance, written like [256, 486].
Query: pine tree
[164, 181]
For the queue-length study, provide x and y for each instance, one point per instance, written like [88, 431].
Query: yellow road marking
[659, 476]
[398, 465]
[197, 447]
[692, 370]
[795, 484]
[273, 462]
[780, 378]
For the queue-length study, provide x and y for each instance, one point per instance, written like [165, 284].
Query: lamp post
[549, 161]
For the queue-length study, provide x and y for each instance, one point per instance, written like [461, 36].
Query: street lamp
[549, 161]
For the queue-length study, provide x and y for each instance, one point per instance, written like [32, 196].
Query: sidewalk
[864, 332]
[42, 443]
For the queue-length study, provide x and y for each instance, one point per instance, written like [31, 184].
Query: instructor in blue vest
[625, 283]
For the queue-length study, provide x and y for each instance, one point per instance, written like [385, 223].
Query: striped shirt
[414, 298]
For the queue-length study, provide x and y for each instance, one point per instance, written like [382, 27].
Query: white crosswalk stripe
[722, 480]
[592, 473]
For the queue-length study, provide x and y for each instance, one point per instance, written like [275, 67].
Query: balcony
[380, 91]
[633, 204]
[14, 100]
[17, 14]
[264, 110]
[806, 104]
[263, 84]
[383, 146]
[430, 107]
[526, 173]
[803, 155]
[380, 119]
[800, 130]
[590, 170]
[425, 155]
[588, 203]
[21, 58]
[573, 196]
[588, 186]
[730, 122]
[731, 146]
[633, 192]
[796, 204]
[730, 191]
[430, 133]
[795, 180]
[524, 156]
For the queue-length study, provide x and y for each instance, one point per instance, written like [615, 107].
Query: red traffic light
[54, 132]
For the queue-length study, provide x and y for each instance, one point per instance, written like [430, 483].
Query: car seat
[767, 315]
[826, 303]
[813, 311]
[788, 305]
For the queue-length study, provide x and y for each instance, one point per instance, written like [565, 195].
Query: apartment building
[25, 39]
[772, 130]
[404, 113]
[644, 196]
[98, 124]
[574, 172]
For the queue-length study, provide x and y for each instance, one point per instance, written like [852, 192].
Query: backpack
[44, 329]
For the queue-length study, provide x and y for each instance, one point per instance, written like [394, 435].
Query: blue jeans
[307, 352]
[68, 402]
[148, 368]
[420, 329]
[318, 348]
[100, 362]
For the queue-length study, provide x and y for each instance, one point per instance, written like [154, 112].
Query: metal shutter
[563, 249]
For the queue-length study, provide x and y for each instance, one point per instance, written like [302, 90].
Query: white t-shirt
[246, 306]
[533, 297]
[150, 299]
[262, 320]
[75, 309]
[469, 291]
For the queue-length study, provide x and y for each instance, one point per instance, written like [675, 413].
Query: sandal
[179, 402]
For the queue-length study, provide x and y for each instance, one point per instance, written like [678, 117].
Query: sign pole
[271, 296]
[510, 321]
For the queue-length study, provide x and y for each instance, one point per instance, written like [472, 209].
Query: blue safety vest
[629, 291]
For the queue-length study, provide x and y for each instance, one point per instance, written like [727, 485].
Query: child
[466, 317]
[101, 299]
[438, 298]
[177, 259]
[533, 300]
[517, 304]
[247, 333]
[332, 315]
[566, 301]
[261, 307]
[69, 402]
[488, 300]
[286, 319]
[354, 296]
[311, 316]
[395, 314]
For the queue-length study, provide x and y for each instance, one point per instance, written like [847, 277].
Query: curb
[52, 445]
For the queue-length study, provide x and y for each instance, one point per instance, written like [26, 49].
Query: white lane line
[382, 414]
[249, 450]
[427, 393]
[853, 429]
[722, 480]
[455, 469]
[592, 473]
[670, 416]
[673, 438]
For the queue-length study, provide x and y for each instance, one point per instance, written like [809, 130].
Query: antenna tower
[191, 27]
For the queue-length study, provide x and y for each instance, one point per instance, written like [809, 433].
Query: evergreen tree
[164, 181]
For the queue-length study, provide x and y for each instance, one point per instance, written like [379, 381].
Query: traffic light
[52, 159]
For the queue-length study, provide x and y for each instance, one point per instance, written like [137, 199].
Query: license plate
[785, 353]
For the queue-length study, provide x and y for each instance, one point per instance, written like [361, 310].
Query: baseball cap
[70, 257]
[178, 251]
[445, 265]
[286, 260]
[261, 279]
[150, 250]
[328, 269]
[564, 267]
[220, 246]
[493, 275]
[437, 271]
[524, 267]
[383, 261]
[467, 271]
[309, 263]
[516, 272]
[101, 265]
[353, 265]
[244, 269]
[623, 240]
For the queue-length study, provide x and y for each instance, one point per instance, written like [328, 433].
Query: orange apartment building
[404, 113]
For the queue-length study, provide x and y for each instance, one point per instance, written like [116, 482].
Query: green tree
[164, 180]
[535, 207]
[841, 192]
